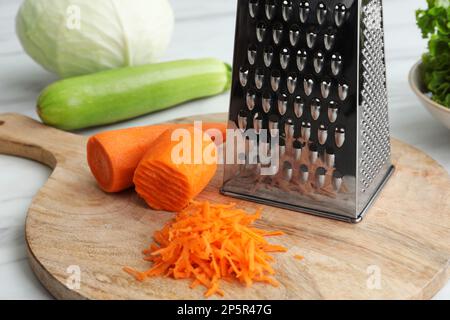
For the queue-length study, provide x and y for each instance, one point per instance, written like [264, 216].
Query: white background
[203, 28]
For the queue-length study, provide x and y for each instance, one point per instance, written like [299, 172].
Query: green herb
[435, 26]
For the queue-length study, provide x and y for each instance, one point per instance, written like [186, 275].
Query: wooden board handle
[24, 137]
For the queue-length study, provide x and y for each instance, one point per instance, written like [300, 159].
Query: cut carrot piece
[221, 248]
[113, 156]
[171, 184]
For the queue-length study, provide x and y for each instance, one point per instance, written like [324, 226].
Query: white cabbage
[75, 37]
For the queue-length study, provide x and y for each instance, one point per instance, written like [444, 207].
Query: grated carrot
[208, 243]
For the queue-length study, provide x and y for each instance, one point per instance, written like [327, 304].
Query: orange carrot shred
[208, 243]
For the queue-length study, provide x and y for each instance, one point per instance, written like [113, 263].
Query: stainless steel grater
[313, 71]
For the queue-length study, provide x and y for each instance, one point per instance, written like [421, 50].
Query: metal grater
[315, 72]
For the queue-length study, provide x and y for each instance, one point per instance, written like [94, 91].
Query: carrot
[113, 156]
[221, 248]
[170, 184]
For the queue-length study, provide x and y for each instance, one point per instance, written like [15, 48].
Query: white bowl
[439, 112]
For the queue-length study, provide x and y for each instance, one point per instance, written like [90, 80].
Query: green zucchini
[116, 95]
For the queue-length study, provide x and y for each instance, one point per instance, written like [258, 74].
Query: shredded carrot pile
[209, 243]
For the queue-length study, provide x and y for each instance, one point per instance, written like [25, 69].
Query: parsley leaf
[434, 22]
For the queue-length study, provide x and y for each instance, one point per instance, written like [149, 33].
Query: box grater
[313, 75]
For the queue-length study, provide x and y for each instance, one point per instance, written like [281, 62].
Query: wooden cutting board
[76, 232]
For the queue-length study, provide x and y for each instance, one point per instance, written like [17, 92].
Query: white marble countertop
[203, 28]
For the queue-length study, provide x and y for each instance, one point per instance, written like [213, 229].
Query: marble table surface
[203, 28]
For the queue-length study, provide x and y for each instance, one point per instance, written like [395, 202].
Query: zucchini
[116, 95]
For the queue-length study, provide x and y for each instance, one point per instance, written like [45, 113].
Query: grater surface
[375, 148]
[297, 69]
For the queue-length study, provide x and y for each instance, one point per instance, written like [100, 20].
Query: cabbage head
[76, 37]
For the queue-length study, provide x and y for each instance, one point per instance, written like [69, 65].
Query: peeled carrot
[113, 156]
[169, 184]
[208, 243]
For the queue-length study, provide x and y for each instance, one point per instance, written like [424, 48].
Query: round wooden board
[400, 251]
